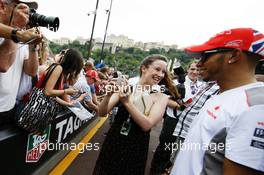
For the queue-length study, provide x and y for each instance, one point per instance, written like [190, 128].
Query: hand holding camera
[29, 36]
[124, 95]
[119, 79]
[111, 88]
[70, 91]
[20, 17]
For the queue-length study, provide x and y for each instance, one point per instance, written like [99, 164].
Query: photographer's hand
[29, 36]
[20, 16]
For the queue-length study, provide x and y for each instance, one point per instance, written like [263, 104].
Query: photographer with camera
[15, 58]
[14, 16]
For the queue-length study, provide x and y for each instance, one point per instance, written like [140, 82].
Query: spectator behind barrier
[92, 78]
[104, 81]
[15, 59]
[110, 73]
[66, 71]
[105, 70]
[11, 25]
[44, 57]
[88, 66]
[84, 95]
[192, 84]
[27, 82]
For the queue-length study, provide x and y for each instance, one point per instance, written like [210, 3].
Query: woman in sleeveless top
[125, 148]
[66, 70]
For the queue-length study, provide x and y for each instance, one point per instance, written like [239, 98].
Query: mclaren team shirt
[230, 125]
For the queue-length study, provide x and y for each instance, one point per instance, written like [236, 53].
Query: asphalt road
[85, 162]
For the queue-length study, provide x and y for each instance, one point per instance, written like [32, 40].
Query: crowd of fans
[26, 58]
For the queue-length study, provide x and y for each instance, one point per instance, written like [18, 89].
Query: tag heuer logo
[37, 145]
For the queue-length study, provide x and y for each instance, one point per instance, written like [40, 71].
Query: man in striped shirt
[186, 117]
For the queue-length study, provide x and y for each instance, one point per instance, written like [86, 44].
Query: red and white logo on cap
[234, 43]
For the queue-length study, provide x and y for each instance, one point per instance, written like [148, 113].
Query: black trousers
[161, 157]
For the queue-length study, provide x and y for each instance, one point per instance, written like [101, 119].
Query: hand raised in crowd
[111, 88]
[71, 91]
[124, 95]
[20, 16]
[83, 95]
[72, 103]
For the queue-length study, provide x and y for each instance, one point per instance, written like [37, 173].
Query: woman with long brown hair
[125, 148]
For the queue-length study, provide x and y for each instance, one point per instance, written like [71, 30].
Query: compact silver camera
[119, 78]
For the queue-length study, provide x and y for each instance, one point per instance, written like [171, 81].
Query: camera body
[115, 74]
[119, 78]
[35, 20]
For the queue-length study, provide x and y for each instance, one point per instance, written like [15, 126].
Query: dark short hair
[260, 68]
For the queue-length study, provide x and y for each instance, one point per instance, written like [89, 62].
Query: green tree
[126, 60]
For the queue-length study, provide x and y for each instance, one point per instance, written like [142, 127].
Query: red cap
[92, 74]
[246, 39]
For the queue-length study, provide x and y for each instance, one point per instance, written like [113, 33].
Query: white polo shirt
[234, 117]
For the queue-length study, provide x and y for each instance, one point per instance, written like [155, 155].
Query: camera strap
[12, 14]
[145, 106]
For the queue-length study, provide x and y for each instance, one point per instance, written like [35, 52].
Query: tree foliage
[126, 60]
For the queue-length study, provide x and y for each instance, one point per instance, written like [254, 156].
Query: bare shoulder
[58, 69]
[159, 97]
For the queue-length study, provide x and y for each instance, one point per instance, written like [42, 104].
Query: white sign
[80, 111]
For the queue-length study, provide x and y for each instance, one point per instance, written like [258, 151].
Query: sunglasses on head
[63, 52]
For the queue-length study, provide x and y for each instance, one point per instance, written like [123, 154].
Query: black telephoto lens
[35, 20]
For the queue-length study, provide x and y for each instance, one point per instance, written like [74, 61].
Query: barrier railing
[23, 153]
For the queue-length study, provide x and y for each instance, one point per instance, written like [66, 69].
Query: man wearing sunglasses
[227, 136]
[15, 58]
